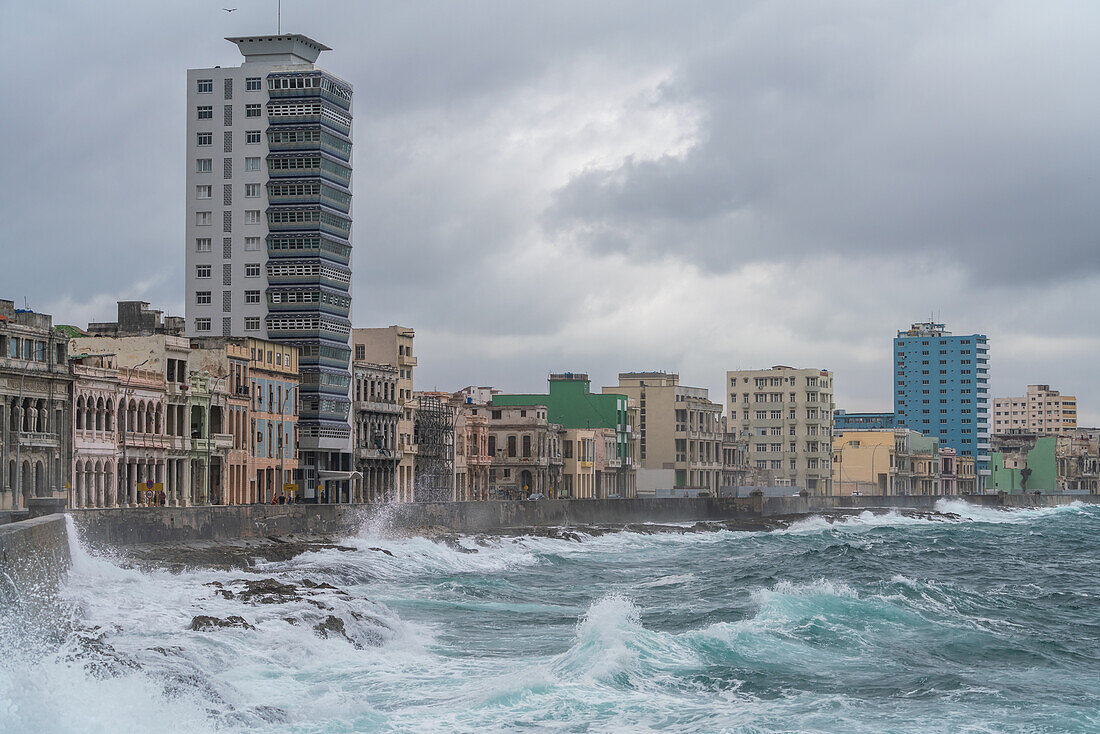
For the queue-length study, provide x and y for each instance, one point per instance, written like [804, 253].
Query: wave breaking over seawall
[963, 619]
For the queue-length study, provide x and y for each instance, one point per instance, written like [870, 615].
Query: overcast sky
[612, 186]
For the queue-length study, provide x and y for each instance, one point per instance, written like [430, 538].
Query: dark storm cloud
[965, 134]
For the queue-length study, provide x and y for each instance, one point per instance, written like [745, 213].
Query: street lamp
[126, 425]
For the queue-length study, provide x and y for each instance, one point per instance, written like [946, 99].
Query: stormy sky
[611, 186]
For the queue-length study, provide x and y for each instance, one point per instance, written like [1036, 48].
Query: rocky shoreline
[246, 553]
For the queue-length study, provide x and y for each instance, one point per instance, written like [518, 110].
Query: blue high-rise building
[941, 388]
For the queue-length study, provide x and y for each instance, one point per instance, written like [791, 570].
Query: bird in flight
[229, 10]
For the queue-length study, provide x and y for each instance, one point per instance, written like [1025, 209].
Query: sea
[963, 620]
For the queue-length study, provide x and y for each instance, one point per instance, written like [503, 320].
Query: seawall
[122, 527]
[34, 557]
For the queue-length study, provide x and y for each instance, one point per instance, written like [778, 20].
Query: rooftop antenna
[279, 18]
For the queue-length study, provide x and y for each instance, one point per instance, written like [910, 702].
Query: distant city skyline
[693, 187]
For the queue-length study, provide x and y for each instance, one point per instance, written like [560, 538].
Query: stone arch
[79, 410]
[108, 414]
[99, 414]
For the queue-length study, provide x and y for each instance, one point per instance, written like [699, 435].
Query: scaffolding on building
[434, 429]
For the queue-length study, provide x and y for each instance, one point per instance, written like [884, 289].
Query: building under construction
[434, 436]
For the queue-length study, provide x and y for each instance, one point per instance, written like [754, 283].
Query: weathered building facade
[526, 452]
[393, 346]
[35, 408]
[376, 412]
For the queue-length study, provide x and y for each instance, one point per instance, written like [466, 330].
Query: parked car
[613, 497]
[536, 496]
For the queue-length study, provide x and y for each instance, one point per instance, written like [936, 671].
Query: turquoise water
[982, 621]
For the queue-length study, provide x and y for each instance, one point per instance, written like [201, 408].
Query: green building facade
[571, 404]
[1038, 472]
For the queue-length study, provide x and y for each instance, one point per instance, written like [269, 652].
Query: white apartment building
[269, 225]
[787, 416]
[1042, 411]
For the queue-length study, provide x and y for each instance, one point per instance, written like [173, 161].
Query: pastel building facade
[787, 415]
[1041, 411]
[571, 404]
[679, 434]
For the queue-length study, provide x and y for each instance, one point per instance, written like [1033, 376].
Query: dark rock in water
[382, 550]
[268, 591]
[271, 714]
[225, 593]
[204, 622]
[314, 585]
[291, 621]
[170, 651]
[99, 658]
[331, 625]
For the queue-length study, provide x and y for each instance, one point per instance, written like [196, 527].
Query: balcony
[147, 440]
[371, 406]
[384, 454]
[405, 360]
[220, 442]
[37, 439]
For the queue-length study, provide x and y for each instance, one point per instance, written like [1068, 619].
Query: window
[252, 323]
[206, 86]
[252, 84]
[251, 296]
[252, 164]
[205, 112]
[205, 138]
[203, 191]
[202, 271]
[252, 110]
[204, 165]
[202, 324]
[202, 218]
[251, 190]
[202, 244]
[251, 243]
[252, 137]
[252, 216]
[252, 270]
[202, 297]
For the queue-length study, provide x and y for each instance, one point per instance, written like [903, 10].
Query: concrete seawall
[34, 557]
[34, 554]
[121, 527]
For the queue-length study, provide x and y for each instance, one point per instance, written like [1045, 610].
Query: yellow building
[865, 463]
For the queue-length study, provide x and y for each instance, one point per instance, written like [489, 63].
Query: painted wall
[1040, 460]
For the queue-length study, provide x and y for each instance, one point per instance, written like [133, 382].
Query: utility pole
[18, 489]
[209, 436]
[282, 437]
[126, 425]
